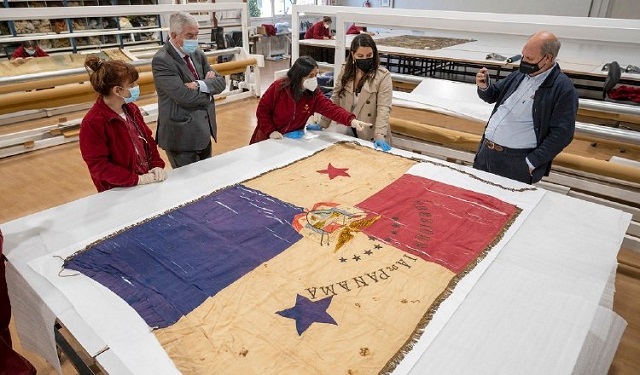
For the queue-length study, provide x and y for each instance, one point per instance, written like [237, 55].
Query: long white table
[583, 58]
[543, 305]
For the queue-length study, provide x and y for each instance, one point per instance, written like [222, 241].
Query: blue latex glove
[294, 134]
[384, 146]
[314, 127]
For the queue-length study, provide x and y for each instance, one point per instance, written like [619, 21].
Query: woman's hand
[275, 135]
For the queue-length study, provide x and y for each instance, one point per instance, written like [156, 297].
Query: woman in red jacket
[289, 102]
[320, 29]
[28, 49]
[115, 142]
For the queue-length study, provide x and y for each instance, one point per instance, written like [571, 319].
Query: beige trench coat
[373, 104]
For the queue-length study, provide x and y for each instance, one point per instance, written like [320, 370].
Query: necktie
[192, 68]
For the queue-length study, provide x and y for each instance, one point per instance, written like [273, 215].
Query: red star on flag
[334, 172]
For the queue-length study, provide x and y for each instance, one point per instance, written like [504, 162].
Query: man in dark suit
[185, 83]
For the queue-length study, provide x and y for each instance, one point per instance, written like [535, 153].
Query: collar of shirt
[537, 80]
[182, 54]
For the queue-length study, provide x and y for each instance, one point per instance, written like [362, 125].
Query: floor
[35, 181]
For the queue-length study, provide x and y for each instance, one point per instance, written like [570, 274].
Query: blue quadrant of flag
[168, 265]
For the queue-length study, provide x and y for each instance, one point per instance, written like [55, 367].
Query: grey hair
[551, 47]
[179, 20]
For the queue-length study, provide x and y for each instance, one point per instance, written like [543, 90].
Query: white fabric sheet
[91, 300]
[572, 271]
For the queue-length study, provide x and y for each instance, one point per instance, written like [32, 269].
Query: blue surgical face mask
[134, 93]
[30, 52]
[190, 45]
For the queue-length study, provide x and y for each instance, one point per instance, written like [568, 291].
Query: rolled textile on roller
[228, 68]
[469, 142]
[61, 95]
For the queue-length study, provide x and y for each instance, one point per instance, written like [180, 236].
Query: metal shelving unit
[78, 33]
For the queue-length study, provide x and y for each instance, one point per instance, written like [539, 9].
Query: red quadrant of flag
[437, 222]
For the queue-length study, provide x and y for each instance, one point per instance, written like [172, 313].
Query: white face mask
[310, 84]
[326, 25]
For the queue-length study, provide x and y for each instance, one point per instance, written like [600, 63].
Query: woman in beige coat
[364, 88]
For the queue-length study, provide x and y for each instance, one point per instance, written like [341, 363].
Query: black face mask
[365, 64]
[529, 68]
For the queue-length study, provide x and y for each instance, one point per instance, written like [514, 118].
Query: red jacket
[20, 52]
[108, 150]
[10, 361]
[277, 110]
[317, 31]
[353, 29]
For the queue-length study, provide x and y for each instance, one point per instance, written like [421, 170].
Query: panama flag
[333, 264]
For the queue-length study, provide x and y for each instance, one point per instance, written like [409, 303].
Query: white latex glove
[146, 178]
[275, 135]
[159, 173]
[359, 125]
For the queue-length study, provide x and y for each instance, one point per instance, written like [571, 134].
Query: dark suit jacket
[186, 117]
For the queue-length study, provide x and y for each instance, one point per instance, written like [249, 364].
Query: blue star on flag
[306, 312]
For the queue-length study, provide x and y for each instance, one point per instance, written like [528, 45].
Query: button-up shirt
[512, 123]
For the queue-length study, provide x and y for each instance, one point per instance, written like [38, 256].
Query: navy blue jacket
[555, 106]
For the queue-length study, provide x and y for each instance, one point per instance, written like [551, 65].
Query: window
[266, 8]
[270, 8]
[282, 7]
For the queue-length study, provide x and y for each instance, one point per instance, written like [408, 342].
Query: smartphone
[487, 78]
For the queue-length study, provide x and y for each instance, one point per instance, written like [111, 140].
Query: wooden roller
[228, 68]
[435, 134]
[231, 67]
[62, 95]
[469, 142]
[37, 84]
[599, 167]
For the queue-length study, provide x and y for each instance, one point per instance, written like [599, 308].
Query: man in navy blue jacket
[534, 117]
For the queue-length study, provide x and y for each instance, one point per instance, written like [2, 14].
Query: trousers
[503, 161]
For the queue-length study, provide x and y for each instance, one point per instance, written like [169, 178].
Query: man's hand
[210, 74]
[192, 85]
[482, 78]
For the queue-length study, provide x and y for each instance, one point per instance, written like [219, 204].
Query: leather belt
[493, 146]
[506, 150]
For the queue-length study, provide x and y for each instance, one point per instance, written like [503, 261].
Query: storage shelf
[80, 32]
